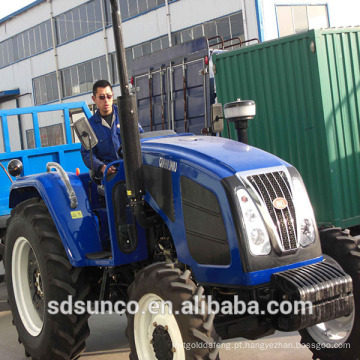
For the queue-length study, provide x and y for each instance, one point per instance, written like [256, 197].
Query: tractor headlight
[305, 215]
[257, 235]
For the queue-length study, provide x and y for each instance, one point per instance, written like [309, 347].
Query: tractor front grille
[274, 185]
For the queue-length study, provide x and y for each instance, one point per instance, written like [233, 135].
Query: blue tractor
[185, 219]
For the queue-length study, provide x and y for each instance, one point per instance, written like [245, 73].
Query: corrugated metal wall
[295, 82]
[339, 70]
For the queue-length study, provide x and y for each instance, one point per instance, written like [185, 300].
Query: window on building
[146, 48]
[44, 36]
[32, 42]
[79, 21]
[51, 135]
[37, 40]
[297, 18]
[71, 25]
[66, 82]
[79, 78]
[61, 29]
[82, 81]
[124, 9]
[152, 4]
[210, 29]
[223, 28]
[37, 91]
[83, 20]
[75, 87]
[77, 26]
[103, 69]
[107, 10]
[46, 89]
[129, 59]
[155, 45]
[96, 69]
[43, 93]
[11, 51]
[49, 88]
[142, 6]
[227, 26]
[75, 80]
[48, 35]
[19, 42]
[186, 35]
[97, 14]
[2, 54]
[131, 8]
[26, 44]
[137, 51]
[91, 17]
[237, 26]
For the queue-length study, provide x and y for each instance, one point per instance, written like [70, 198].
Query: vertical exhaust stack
[130, 138]
[240, 112]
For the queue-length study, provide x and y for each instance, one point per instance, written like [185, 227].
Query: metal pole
[55, 50]
[130, 138]
[168, 21]
[20, 126]
[171, 71]
[243, 11]
[184, 93]
[105, 40]
[150, 100]
[162, 97]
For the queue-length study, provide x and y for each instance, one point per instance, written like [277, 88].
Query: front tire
[338, 339]
[168, 335]
[37, 272]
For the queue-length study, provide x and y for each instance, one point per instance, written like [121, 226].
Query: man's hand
[111, 170]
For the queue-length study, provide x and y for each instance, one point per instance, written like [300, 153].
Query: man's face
[104, 100]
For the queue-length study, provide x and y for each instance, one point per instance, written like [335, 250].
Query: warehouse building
[54, 50]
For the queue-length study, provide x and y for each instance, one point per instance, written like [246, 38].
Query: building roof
[9, 95]
[18, 12]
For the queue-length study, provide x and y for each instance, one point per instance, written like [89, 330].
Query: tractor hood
[220, 155]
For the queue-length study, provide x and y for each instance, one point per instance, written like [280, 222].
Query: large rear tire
[168, 335]
[37, 272]
[338, 339]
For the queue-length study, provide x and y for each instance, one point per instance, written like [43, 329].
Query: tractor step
[99, 255]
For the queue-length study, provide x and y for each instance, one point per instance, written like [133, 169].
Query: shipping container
[307, 93]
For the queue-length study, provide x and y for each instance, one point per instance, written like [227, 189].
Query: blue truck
[203, 217]
[36, 152]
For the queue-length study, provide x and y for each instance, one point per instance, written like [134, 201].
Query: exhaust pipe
[130, 138]
[240, 112]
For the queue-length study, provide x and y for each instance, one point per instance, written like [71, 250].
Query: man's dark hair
[100, 84]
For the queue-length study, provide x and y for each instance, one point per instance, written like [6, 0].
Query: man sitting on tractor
[105, 123]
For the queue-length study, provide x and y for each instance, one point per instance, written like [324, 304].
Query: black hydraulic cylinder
[130, 138]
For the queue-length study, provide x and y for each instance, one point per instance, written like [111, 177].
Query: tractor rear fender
[77, 226]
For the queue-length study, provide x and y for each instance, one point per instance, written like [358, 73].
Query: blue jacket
[109, 141]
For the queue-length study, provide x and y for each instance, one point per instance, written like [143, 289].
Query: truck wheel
[168, 335]
[338, 339]
[37, 272]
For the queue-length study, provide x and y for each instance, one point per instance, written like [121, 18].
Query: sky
[8, 7]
